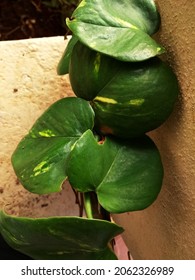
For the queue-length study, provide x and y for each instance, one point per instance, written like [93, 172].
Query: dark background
[23, 19]
[6, 253]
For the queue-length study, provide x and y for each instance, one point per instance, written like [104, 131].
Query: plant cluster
[98, 139]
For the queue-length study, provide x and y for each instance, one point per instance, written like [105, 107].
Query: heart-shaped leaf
[39, 160]
[129, 99]
[68, 238]
[126, 176]
[121, 29]
[137, 100]
[63, 65]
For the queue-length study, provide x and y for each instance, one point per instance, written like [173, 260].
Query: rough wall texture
[166, 230]
[28, 85]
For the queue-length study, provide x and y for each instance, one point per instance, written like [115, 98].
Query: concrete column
[28, 85]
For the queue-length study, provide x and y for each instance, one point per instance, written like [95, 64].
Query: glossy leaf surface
[39, 160]
[68, 238]
[139, 99]
[129, 99]
[126, 176]
[121, 29]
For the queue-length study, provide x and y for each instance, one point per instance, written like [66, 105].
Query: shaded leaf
[7, 253]
[91, 71]
[68, 238]
[121, 30]
[126, 176]
[63, 65]
[39, 160]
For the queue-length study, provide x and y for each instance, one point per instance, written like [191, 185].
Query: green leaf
[63, 65]
[137, 100]
[39, 160]
[91, 71]
[68, 238]
[129, 99]
[126, 176]
[121, 29]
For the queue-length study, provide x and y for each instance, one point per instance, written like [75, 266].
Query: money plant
[98, 139]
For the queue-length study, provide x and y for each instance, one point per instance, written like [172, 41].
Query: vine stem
[88, 206]
[91, 210]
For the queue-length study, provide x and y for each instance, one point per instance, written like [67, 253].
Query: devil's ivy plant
[97, 140]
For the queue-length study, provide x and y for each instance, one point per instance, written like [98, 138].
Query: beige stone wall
[28, 85]
[166, 230]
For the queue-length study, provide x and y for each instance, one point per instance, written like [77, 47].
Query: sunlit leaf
[39, 160]
[120, 29]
